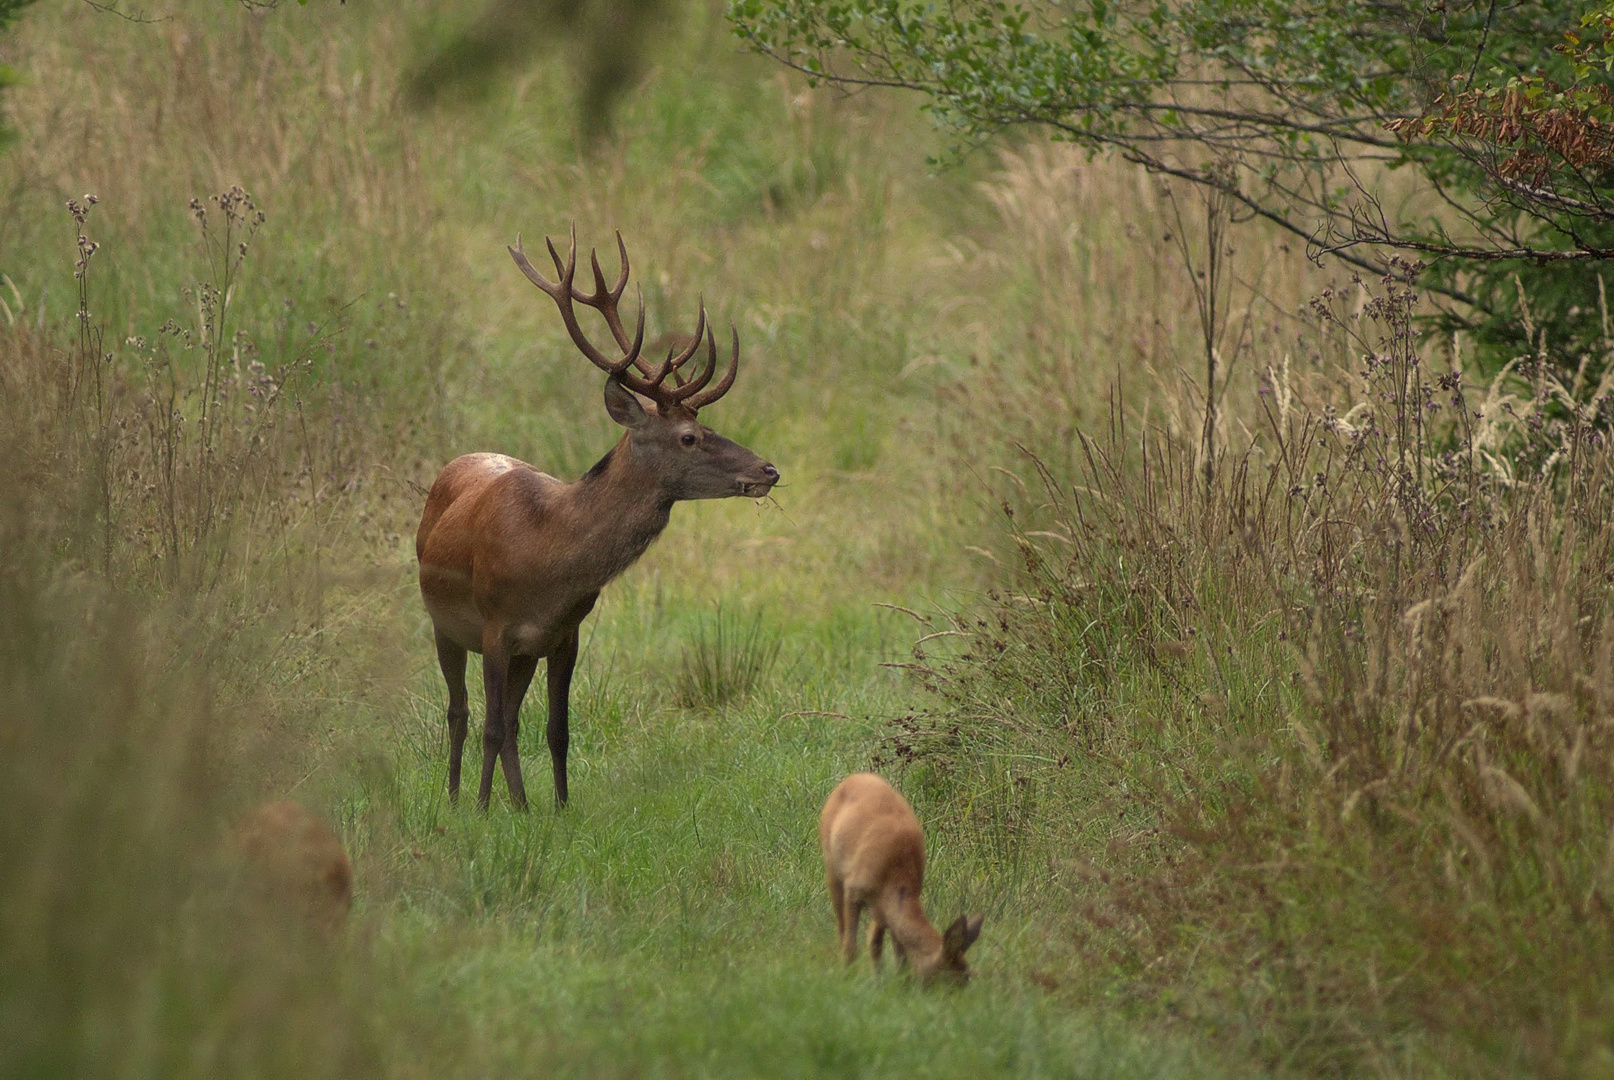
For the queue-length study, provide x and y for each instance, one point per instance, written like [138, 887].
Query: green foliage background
[1298, 109]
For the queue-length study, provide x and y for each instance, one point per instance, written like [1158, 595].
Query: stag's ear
[961, 935]
[623, 406]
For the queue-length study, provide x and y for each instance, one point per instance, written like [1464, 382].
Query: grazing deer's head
[948, 965]
[665, 439]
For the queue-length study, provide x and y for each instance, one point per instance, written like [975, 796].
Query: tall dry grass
[1317, 723]
[127, 946]
[1090, 283]
[182, 415]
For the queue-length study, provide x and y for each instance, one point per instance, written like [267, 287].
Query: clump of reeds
[727, 659]
[162, 446]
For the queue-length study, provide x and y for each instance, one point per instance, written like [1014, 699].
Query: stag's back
[464, 478]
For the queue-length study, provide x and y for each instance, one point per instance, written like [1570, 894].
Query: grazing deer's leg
[837, 899]
[876, 938]
[518, 677]
[561, 662]
[495, 674]
[451, 658]
[854, 915]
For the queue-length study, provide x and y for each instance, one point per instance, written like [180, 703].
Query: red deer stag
[874, 857]
[512, 559]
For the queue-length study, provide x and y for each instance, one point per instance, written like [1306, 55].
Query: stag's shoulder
[525, 492]
[461, 490]
[514, 511]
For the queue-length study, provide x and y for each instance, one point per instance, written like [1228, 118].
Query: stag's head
[656, 403]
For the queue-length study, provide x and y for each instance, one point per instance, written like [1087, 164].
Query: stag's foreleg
[451, 658]
[561, 663]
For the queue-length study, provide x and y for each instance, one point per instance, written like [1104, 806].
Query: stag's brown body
[874, 859]
[512, 559]
[544, 547]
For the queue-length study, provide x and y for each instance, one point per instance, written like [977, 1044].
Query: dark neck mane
[599, 467]
[629, 509]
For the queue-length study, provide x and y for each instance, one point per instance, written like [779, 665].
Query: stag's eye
[688, 439]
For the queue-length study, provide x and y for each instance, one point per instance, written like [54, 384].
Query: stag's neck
[623, 508]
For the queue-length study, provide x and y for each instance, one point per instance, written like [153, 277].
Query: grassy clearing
[1183, 749]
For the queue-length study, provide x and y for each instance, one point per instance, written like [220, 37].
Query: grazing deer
[297, 862]
[512, 559]
[874, 857]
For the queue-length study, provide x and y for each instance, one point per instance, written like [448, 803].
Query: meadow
[1139, 704]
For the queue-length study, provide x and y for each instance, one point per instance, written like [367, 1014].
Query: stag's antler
[631, 369]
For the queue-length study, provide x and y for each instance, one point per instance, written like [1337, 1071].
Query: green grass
[902, 330]
[673, 920]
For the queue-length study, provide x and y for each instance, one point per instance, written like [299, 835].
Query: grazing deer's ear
[962, 934]
[622, 405]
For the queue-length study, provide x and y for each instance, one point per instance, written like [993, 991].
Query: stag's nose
[770, 472]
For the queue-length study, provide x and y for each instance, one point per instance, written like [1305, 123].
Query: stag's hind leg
[518, 677]
[451, 658]
[495, 681]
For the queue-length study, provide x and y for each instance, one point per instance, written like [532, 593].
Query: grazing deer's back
[870, 835]
[874, 861]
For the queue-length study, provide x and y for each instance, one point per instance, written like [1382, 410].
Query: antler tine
[695, 384]
[712, 393]
[694, 344]
[652, 375]
[677, 362]
[568, 271]
[600, 290]
[519, 254]
[563, 294]
[563, 272]
[677, 378]
[606, 300]
[633, 357]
